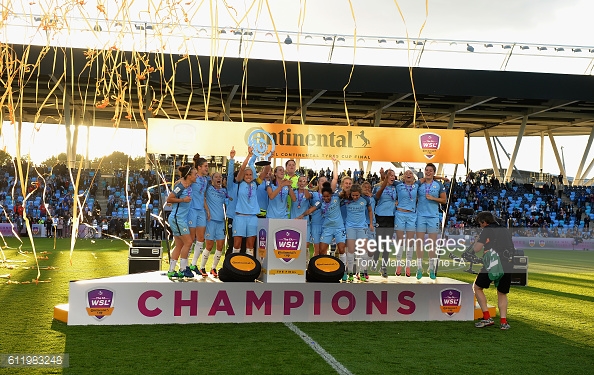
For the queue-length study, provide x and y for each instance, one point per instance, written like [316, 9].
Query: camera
[467, 256]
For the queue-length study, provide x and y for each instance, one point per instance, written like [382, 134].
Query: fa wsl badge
[287, 244]
[450, 301]
[100, 303]
[429, 143]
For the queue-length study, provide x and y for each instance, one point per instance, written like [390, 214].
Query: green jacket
[492, 263]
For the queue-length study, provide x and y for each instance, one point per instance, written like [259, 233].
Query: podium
[281, 248]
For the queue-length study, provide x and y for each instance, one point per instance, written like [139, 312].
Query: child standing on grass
[497, 241]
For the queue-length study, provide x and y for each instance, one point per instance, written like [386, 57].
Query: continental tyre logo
[327, 265]
[287, 137]
[243, 263]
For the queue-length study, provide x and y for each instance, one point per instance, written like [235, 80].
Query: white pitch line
[318, 349]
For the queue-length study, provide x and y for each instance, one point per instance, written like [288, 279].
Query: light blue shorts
[427, 224]
[339, 234]
[356, 233]
[405, 221]
[215, 230]
[196, 218]
[245, 225]
[178, 227]
[315, 233]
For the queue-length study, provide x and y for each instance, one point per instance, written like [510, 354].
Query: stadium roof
[257, 91]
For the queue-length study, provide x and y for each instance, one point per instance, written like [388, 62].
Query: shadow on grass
[448, 348]
[160, 349]
[579, 281]
[579, 297]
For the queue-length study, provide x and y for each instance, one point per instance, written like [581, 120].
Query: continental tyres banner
[308, 141]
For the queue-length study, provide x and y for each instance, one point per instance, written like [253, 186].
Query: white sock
[249, 251]
[205, 255]
[362, 264]
[370, 261]
[399, 251]
[216, 258]
[197, 252]
[235, 251]
[409, 253]
[432, 263]
[172, 264]
[420, 264]
[183, 263]
[343, 259]
[350, 262]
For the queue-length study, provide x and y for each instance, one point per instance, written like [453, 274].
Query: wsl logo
[100, 303]
[450, 301]
[262, 243]
[429, 143]
[287, 245]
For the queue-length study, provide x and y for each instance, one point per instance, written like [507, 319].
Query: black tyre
[324, 269]
[240, 267]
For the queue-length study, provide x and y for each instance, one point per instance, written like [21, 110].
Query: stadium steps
[99, 198]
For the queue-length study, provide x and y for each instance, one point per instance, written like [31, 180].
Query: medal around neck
[263, 146]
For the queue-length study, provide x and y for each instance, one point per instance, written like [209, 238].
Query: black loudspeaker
[145, 252]
[139, 265]
[520, 273]
[144, 256]
[146, 243]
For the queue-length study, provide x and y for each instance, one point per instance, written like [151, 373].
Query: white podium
[282, 246]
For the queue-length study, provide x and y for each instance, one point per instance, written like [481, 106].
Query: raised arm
[252, 165]
[379, 191]
[334, 182]
[243, 166]
[263, 173]
[231, 169]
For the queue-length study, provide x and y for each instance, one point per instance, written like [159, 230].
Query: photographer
[496, 269]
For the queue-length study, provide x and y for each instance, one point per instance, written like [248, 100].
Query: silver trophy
[263, 145]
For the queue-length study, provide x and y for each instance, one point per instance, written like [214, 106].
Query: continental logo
[243, 263]
[327, 265]
[287, 137]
